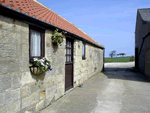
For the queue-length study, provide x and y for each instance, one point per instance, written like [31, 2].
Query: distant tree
[122, 54]
[112, 53]
[118, 54]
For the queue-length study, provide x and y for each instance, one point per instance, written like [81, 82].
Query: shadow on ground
[125, 74]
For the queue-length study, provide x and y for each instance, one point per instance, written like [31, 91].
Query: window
[83, 50]
[69, 52]
[36, 42]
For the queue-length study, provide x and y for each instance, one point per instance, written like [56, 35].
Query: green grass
[119, 59]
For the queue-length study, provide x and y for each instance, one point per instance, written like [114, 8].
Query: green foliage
[132, 58]
[57, 37]
[112, 53]
[122, 54]
[120, 59]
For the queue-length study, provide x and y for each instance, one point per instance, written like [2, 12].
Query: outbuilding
[142, 41]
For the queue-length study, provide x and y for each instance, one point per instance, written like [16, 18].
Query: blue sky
[109, 22]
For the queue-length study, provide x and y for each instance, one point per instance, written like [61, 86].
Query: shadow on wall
[125, 74]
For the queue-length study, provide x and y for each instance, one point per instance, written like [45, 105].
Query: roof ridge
[64, 19]
[143, 8]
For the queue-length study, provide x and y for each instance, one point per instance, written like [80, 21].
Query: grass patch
[119, 59]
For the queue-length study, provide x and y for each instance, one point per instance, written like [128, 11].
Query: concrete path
[116, 90]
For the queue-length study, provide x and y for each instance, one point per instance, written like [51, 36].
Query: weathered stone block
[27, 78]
[54, 72]
[25, 27]
[61, 70]
[30, 100]
[28, 112]
[58, 79]
[24, 38]
[3, 81]
[12, 95]
[9, 68]
[1, 32]
[61, 53]
[42, 95]
[54, 62]
[25, 51]
[58, 94]
[34, 88]
[50, 92]
[8, 60]
[40, 105]
[24, 66]
[8, 50]
[9, 36]
[49, 82]
[16, 81]
[2, 101]
[48, 38]
[48, 49]
[17, 26]
[78, 59]
[48, 101]
[1, 19]
[8, 23]
[61, 85]
[77, 66]
[24, 91]
[13, 107]
[2, 109]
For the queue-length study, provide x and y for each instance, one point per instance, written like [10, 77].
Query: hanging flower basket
[40, 66]
[35, 70]
[57, 38]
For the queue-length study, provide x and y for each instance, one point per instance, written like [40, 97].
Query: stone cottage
[142, 41]
[26, 28]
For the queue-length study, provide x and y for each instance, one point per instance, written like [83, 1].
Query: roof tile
[35, 9]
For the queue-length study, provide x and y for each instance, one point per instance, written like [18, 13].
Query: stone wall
[20, 91]
[84, 69]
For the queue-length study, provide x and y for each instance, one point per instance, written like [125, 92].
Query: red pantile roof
[39, 11]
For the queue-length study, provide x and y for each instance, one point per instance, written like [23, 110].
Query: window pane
[70, 51]
[67, 43]
[70, 58]
[83, 49]
[67, 51]
[67, 58]
[35, 43]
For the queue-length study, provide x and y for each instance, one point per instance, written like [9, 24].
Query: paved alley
[116, 90]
